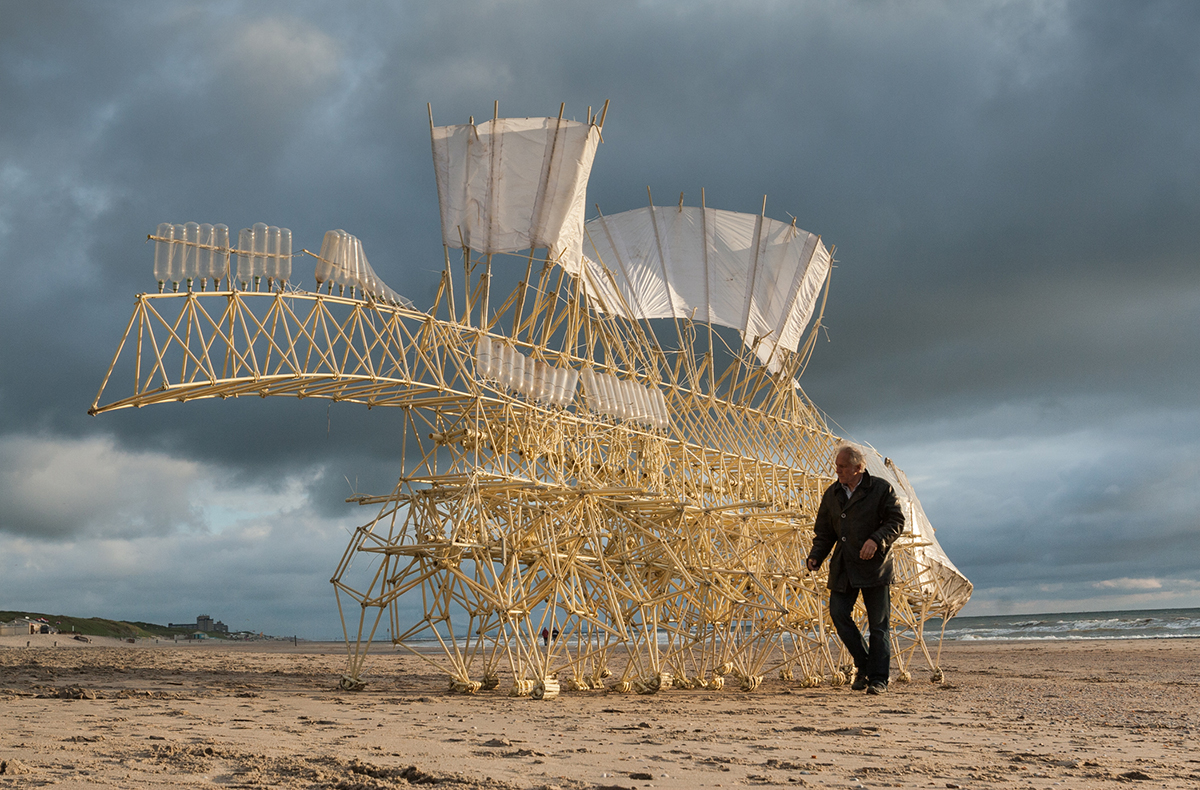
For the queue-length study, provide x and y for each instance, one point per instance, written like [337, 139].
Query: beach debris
[72, 692]
[14, 768]
[1135, 776]
[496, 743]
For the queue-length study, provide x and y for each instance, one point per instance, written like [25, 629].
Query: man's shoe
[877, 688]
[860, 681]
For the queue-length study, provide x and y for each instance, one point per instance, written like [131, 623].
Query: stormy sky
[1013, 189]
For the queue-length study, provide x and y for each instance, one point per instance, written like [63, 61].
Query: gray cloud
[1012, 188]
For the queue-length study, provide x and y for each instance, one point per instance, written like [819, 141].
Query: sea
[1130, 624]
[1133, 624]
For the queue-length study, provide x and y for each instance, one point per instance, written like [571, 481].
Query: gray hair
[853, 452]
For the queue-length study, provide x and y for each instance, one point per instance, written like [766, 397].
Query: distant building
[26, 625]
[14, 628]
[203, 623]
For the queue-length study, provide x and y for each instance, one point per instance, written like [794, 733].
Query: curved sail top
[743, 271]
[512, 184]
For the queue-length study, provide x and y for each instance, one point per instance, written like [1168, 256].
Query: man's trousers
[874, 659]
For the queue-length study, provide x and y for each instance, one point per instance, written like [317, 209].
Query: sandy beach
[268, 714]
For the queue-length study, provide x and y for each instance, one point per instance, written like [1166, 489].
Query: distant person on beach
[546, 637]
[859, 519]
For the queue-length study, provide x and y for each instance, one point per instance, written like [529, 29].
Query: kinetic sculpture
[615, 465]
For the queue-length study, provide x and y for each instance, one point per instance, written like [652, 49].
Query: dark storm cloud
[1012, 188]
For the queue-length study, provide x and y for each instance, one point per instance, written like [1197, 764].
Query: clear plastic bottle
[177, 255]
[258, 260]
[557, 378]
[497, 359]
[569, 387]
[218, 268]
[540, 372]
[345, 260]
[204, 254]
[163, 251]
[518, 371]
[591, 390]
[645, 414]
[283, 270]
[664, 416]
[271, 257]
[245, 274]
[483, 357]
[506, 366]
[191, 237]
[604, 393]
[326, 262]
[354, 266]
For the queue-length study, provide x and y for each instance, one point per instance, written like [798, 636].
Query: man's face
[848, 472]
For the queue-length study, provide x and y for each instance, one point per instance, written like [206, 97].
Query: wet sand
[269, 714]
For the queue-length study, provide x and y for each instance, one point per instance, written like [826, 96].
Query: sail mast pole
[487, 266]
[712, 358]
[448, 275]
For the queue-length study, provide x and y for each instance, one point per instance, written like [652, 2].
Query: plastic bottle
[357, 270]
[204, 253]
[497, 359]
[245, 267]
[664, 416]
[271, 257]
[343, 262]
[608, 400]
[218, 268]
[258, 260]
[190, 253]
[483, 357]
[177, 256]
[283, 270]
[518, 371]
[648, 412]
[590, 389]
[558, 380]
[506, 366]
[329, 252]
[162, 253]
[569, 387]
[538, 392]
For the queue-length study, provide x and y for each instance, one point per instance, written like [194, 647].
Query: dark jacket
[843, 526]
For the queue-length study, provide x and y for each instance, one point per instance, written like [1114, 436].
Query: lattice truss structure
[592, 495]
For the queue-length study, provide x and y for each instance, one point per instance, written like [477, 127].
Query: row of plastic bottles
[194, 254]
[343, 263]
[625, 400]
[191, 253]
[264, 253]
[533, 378]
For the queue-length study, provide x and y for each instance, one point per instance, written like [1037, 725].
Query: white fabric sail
[515, 183]
[942, 584]
[744, 271]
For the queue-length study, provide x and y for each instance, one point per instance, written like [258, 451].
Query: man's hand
[812, 564]
[868, 549]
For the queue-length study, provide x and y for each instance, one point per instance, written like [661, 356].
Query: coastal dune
[1009, 714]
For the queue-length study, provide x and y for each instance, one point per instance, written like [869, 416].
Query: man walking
[859, 519]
